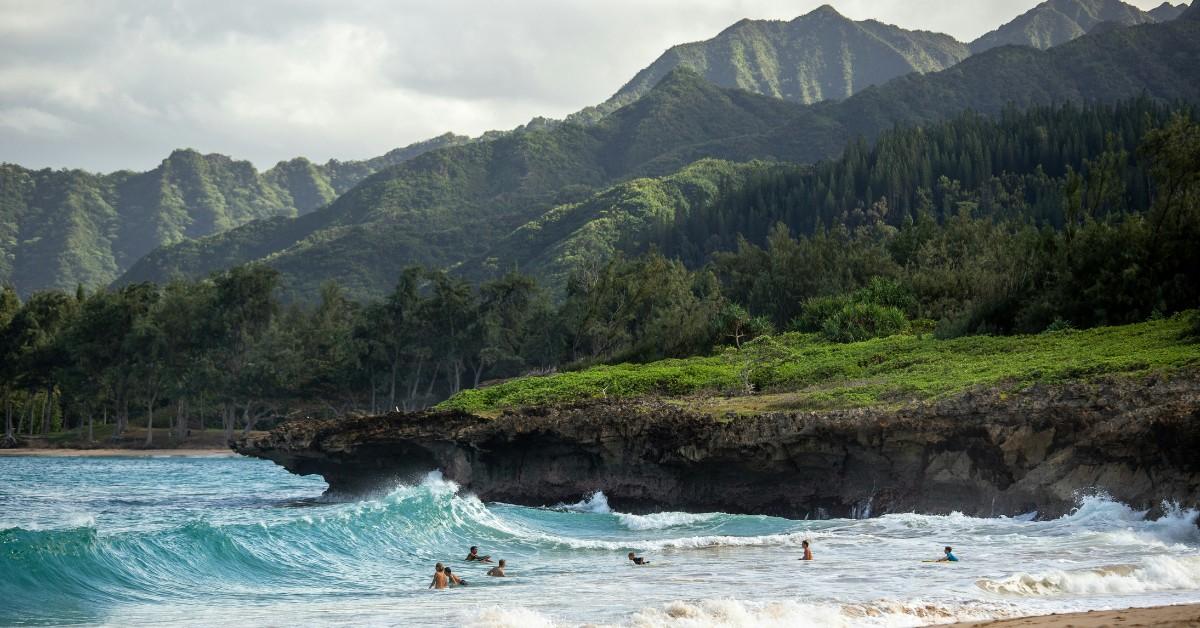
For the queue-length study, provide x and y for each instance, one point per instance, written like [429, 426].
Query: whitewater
[207, 541]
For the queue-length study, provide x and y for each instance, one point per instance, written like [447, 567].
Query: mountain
[482, 205]
[1166, 11]
[818, 56]
[453, 204]
[574, 235]
[1056, 22]
[62, 228]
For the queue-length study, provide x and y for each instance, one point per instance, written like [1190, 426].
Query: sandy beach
[1170, 616]
[102, 453]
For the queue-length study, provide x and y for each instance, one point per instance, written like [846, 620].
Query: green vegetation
[457, 207]
[63, 228]
[1109, 241]
[818, 56]
[1059, 21]
[451, 205]
[820, 374]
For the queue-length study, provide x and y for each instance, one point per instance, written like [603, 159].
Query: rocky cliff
[986, 452]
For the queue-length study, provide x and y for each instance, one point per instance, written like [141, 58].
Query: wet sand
[103, 453]
[1170, 616]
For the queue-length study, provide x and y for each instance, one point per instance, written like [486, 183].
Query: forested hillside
[458, 204]
[1056, 22]
[453, 204]
[62, 228]
[818, 56]
[1048, 220]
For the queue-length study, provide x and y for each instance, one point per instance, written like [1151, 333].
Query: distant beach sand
[1169, 616]
[101, 453]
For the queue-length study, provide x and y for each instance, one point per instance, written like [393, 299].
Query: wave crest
[1156, 573]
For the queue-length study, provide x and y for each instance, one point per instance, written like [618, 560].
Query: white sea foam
[734, 613]
[1155, 573]
[509, 617]
[596, 503]
[731, 613]
[662, 520]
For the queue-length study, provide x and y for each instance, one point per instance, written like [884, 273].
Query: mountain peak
[1055, 22]
[1191, 13]
[825, 11]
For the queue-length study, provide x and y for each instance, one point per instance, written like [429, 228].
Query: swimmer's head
[949, 549]
[438, 568]
[502, 563]
[804, 543]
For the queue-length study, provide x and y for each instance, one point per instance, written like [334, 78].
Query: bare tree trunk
[9, 438]
[180, 420]
[392, 386]
[32, 411]
[46, 412]
[478, 374]
[227, 418]
[249, 421]
[416, 381]
[122, 416]
[150, 419]
[91, 437]
[432, 380]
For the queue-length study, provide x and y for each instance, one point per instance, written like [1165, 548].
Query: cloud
[114, 84]
[33, 122]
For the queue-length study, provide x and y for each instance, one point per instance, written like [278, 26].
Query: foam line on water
[1155, 573]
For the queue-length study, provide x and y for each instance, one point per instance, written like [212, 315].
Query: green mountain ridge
[818, 56]
[450, 205]
[1111, 66]
[462, 204]
[1166, 11]
[1056, 22]
[62, 228]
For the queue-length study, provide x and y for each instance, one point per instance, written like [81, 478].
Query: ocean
[232, 541]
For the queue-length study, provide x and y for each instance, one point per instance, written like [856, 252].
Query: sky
[117, 84]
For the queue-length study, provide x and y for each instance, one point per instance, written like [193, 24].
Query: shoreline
[1174, 615]
[109, 452]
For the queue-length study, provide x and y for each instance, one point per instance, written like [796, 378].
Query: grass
[797, 371]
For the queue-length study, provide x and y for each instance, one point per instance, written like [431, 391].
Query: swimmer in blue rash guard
[949, 557]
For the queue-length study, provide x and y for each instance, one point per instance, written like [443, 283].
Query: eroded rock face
[982, 453]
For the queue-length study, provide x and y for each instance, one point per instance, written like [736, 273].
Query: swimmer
[949, 557]
[638, 560]
[474, 555]
[440, 581]
[807, 551]
[498, 570]
[453, 579]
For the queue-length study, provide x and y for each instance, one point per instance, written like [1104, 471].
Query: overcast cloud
[111, 84]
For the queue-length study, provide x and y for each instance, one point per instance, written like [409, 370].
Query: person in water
[498, 570]
[440, 580]
[474, 555]
[807, 551]
[949, 557]
[453, 579]
[638, 560]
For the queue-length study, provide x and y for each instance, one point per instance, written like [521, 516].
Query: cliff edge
[983, 452]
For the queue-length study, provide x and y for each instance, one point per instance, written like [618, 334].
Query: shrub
[863, 321]
[816, 311]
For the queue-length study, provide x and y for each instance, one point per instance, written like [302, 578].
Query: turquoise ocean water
[225, 541]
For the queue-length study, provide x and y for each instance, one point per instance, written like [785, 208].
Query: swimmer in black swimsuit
[638, 560]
